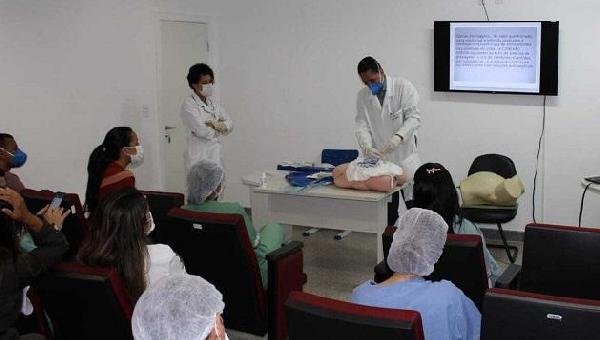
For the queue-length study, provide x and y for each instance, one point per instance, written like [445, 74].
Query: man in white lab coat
[387, 119]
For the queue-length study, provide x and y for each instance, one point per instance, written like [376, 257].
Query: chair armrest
[510, 277]
[382, 272]
[284, 251]
[286, 274]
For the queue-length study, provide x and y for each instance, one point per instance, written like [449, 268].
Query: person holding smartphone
[17, 268]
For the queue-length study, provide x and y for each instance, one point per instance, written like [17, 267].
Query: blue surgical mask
[18, 158]
[376, 88]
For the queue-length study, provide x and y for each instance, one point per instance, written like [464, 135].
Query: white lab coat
[203, 142]
[376, 124]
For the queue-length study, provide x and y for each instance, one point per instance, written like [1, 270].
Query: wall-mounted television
[496, 57]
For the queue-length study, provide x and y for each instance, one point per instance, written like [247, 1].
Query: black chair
[558, 261]
[160, 203]
[504, 167]
[318, 318]
[85, 302]
[509, 314]
[217, 247]
[74, 226]
[461, 263]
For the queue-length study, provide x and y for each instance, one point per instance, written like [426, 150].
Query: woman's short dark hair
[116, 238]
[197, 71]
[368, 64]
[434, 189]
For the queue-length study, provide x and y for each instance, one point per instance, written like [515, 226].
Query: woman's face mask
[149, 223]
[138, 158]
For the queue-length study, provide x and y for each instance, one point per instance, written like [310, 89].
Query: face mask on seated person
[138, 158]
[17, 158]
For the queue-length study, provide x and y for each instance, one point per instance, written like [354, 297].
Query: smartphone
[57, 200]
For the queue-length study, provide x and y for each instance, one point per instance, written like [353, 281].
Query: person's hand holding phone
[54, 216]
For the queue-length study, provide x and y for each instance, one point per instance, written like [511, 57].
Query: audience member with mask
[109, 164]
[117, 237]
[11, 157]
[179, 307]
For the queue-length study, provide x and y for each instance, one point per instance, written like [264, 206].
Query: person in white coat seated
[205, 120]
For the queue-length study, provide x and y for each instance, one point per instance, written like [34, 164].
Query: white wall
[287, 75]
[70, 71]
[286, 71]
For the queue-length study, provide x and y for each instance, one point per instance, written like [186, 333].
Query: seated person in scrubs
[368, 175]
[417, 245]
[434, 189]
[489, 188]
[205, 183]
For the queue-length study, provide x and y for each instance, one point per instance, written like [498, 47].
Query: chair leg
[310, 232]
[341, 235]
[506, 246]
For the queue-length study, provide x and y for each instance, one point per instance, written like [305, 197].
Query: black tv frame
[548, 58]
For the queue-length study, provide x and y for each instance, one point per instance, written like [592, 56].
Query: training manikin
[369, 175]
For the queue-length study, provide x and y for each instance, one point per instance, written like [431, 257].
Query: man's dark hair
[4, 137]
[368, 64]
[197, 71]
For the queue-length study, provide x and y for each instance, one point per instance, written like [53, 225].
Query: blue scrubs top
[445, 311]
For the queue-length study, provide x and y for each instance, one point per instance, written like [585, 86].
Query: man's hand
[373, 153]
[392, 144]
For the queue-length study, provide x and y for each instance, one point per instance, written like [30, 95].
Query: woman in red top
[108, 163]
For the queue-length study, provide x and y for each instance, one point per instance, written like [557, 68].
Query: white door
[182, 45]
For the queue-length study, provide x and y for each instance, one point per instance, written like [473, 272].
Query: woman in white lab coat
[205, 120]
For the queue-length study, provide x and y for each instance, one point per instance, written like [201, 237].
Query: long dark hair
[116, 238]
[106, 153]
[434, 189]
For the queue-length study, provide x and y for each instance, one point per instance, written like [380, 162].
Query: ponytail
[100, 158]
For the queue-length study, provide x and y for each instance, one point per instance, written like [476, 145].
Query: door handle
[170, 127]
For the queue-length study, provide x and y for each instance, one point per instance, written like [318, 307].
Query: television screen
[496, 56]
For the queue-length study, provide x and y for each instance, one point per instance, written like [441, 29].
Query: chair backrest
[561, 261]
[85, 302]
[161, 202]
[509, 314]
[495, 163]
[336, 157]
[461, 263]
[318, 318]
[74, 226]
[217, 247]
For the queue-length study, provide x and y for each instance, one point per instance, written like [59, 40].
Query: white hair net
[418, 242]
[182, 307]
[203, 178]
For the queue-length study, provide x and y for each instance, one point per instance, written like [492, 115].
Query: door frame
[213, 61]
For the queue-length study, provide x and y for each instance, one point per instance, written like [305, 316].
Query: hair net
[203, 178]
[418, 243]
[182, 307]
